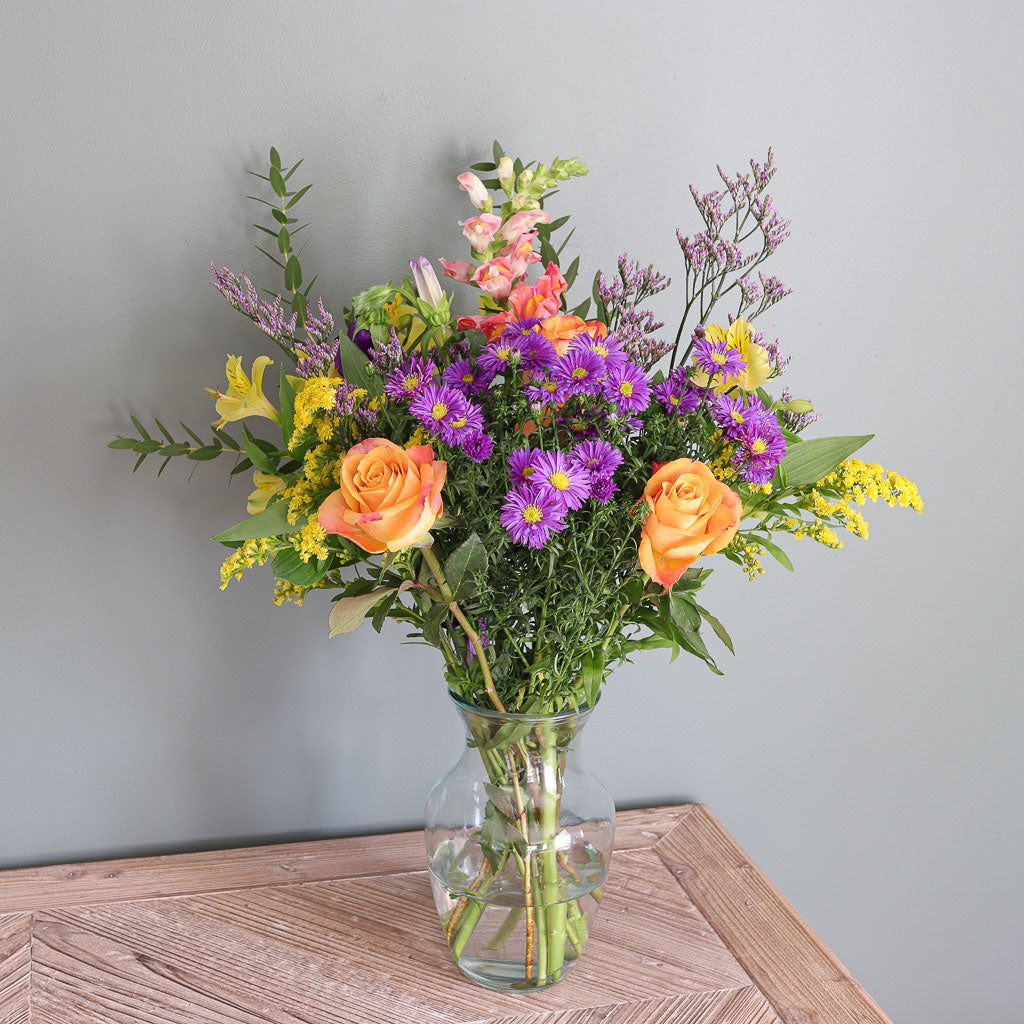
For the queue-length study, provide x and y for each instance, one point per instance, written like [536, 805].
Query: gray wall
[863, 744]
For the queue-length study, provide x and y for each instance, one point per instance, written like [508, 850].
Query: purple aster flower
[499, 355]
[564, 478]
[470, 420]
[716, 358]
[579, 372]
[477, 445]
[521, 328]
[545, 391]
[759, 448]
[437, 405]
[522, 466]
[608, 348]
[469, 379]
[410, 378]
[598, 458]
[603, 488]
[531, 516]
[627, 387]
[733, 413]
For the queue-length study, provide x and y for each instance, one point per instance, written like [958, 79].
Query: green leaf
[581, 310]
[498, 152]
[292, 274]
[720, 631]
[177, 448]
[271, 522]
[123, 442]
[277, 182]
[269, 255]
[501, 797]
[286, 399]
[684, 613]
[592, 668]
[191, 433]
[143, 432]
[353, 363]
[256, 453]
[809, 461]
[139, 461]
[163, 430]
[280, 216]
[287, 565]
[348, 613]
[431, 628]
[149, 446]
[463, 566]
[163, 465]
[775, 551]
[482, 167]
[298, 195]
[275, 158]
[570, 274]
[226, 439]
[294, 168]
[284, 241]
[210, 451]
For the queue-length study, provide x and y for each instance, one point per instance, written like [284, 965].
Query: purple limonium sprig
[317, 358]
[628, 387]
[477, 445]
[717, 359]
[522, 466]
[598, 458]
[437, 405]
[388, 354]
[759, 448]
[579, 372]
[796, 421]
[410, 379]
[502, 355]
[564, 478]
[531, 515]
[269, 317]
[467, 377]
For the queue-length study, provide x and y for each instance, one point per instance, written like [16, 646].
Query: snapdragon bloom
[480, 230]
[495, 277]
[531, 516]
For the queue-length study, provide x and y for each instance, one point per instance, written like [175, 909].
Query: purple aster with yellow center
[564, 478]
[530, 516]
[545, 391]
[521, 328]
[627, 386]
[438, 405]
[759, 448]
[410, 378]
[466, 377]
[470, 420]
[607, 348]
[717, 359]
[598, 458]
[579, 372]
[677, 396]
[733, 413]
[501, 355]
[522, 466]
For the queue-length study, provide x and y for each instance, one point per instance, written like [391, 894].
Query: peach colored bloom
[691, 514]
[389, 497]
[524, 220]
[553, 280]
[480, 230]
[495, 277]
[528, 300]
[520, 253]
[491, 325]
[560, 330]
[458, 269]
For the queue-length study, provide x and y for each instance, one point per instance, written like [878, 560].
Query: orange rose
[691, 514]
[389, 496]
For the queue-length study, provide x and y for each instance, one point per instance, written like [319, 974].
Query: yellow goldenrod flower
[739, 336]
[243, 397]
[267, 485]
[311, 540]
[251, 552]
[314, 406]
[285, 591]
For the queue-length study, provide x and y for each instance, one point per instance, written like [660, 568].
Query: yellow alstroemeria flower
[405, 320]
[244, 397]
[739, 336]
[267, 485]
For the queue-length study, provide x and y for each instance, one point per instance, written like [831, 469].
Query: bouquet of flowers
[535, 490]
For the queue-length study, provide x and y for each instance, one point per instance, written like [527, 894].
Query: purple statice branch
[621, 296]
[795, 421]
[320, 351]
[269, 317]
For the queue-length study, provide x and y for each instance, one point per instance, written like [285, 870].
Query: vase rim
[521, 716]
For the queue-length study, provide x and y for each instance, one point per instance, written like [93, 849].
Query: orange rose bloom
[691, 514]
[389, 496]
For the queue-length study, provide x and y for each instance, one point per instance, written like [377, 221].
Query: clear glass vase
[519, 836]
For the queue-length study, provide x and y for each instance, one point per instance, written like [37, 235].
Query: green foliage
[145, 445]
[809, 461]
[271, 522]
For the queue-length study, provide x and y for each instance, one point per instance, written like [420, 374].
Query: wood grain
[800, 975]
[345, 932]
[64, 885]
[15, 968]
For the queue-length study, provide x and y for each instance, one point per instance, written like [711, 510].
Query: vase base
[508, 975]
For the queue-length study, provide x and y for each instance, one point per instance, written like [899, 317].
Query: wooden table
[689, 931]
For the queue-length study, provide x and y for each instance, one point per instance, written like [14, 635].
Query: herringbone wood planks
[346, 931]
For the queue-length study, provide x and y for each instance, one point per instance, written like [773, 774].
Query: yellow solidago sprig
[248, 554]
[315, 412]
